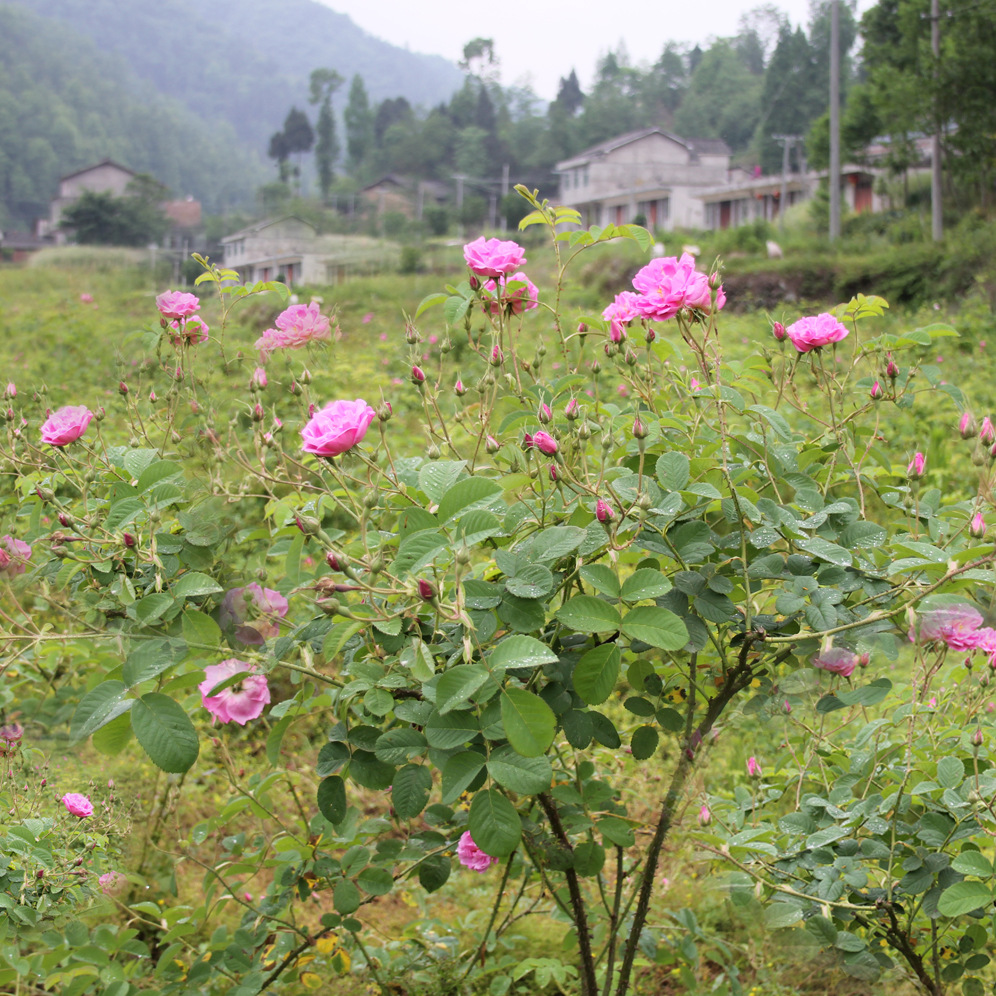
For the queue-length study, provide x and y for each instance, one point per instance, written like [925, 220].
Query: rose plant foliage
[606, 540]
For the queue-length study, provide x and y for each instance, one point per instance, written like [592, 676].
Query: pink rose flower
[492, 257]
[177, 304]
[517, 293]
[836, 660]
[77, 805]
[86, 298]
[667, 285]
[266, 606]
[811, 333]
[296, 327]
[545, 443]
[14, 556]
[193, 330]
[337, 427]
[10, 737]
[471, 856]
[112, 883]
[66, 425]
[954, 626]
[624, 309]
[237, 703]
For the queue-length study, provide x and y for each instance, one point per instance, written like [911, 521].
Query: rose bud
[603, 511]
[492, 445]
[426, 591]
[778, 331]
[418, 375]
[966, 425]
[458, 389]
[544, 414]
[876, 393]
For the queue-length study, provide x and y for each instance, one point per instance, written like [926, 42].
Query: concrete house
[650, 173]
[291, 250]
[107, 177]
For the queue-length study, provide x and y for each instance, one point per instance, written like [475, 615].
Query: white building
[649, 173]
[291, 250]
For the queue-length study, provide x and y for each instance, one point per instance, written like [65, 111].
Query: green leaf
[964, 897]
[400, 745]
[522, 775]
[457, 685]
[589, 614]
[972, 863]
[112, 737]
[520, 651]
[459, 772]
[332, 799]
[346, 897]
[673, 470]
[194, 583]
[596, 673]
[429, 301]
[410, 791]
[644, 583]
[436, 477]
[99, 706]
[148, 609]
[452, 730]
[533, 581]
[644, 742]
[779, 915]
[529, 722]
[602, 578]
[165, 732]
[950, 772]
[494, 824]
[465, 495]
[655, 626]
[200, 629]
[148, 660]
[616, 830]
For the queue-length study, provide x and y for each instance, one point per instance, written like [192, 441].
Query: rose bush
[485, 618]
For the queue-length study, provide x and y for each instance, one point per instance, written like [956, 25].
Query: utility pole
[787, 142]
[835, 119]
[936, 217]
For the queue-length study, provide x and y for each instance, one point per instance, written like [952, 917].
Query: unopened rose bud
[977, 528]
[257, 412]
[977, 738]
[554, 476]
[474, 283]
[333, 561]
[305, 376]
[123, 389]
[617, 331]
[876, 393]
[715, 281]
[492, 445]
[864, 660]
[418, 375]
[571, 411]
[966, 425]
[705, 816]
[497, 357]
[152, 397]
[458, 389]
[258, 380]
[65, 520]
[584, 431]
[630, 357]
[611, 349]
[987, 434]
[411, 334]
[385, 411]
[891, 370]
[433, 452]
[129, 540]
[604, 511]
[917, 466]
[596, 367]
[295, 388]
[544, 414]
[778, 331]
[100, 414]
[426, 591]
[650, 336]
[10, 391]
[307, 525]
[639, 429]
[582, 328]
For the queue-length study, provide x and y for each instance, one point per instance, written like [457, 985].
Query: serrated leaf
[644, 742]
[596, 674]
[655, 626]
[112, 737]
[972, 863]
[673, 470]
[165, 732]
[589, 614]
[528, 721]
[200, 629]
[400, 745]
[436, 477]
[99, 706]
[410, 790]
[964, 897]
[602, 578]
[459, 772]
[457, 685]
[494, 824]
[194, 583]
[522, 775]
[520, 651]
[779, 915]
[346, 897]
[429, 301]
[466, 495]
[644, 583]
[332, 799]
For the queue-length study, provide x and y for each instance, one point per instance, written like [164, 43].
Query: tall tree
[569, 94]
[324, 82]
[359, 123]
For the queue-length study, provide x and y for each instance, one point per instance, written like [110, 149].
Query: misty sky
[545, 39]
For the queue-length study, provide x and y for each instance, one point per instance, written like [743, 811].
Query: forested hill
[65, 105]
[248, 61]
